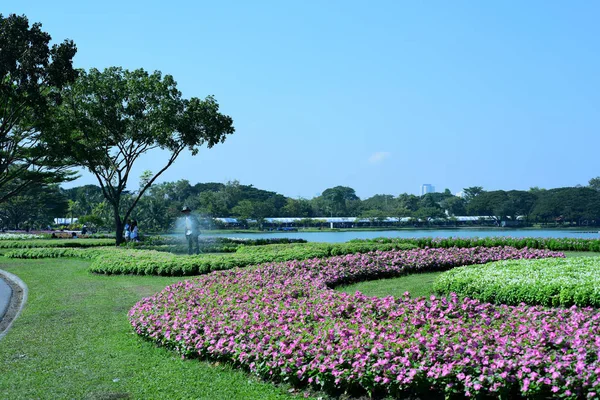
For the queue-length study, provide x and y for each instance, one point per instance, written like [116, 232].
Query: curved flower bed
[283, 322]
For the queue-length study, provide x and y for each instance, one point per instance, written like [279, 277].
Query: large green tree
[298, 208]
[339, 199]
[471, 192]
[454, 205]
[32, 75]
[409, 202]
[110, 118]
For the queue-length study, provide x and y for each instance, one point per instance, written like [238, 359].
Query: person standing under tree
[135, 233]
[127, 231]
[192, 231]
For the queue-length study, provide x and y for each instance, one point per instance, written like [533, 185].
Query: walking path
[13, 295]
[5, 295]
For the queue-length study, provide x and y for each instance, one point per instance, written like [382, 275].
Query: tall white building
[427, 188]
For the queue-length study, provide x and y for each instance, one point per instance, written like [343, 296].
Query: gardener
[192, 231]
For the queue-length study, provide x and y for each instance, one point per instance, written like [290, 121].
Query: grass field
[73, 341]
[418, 285]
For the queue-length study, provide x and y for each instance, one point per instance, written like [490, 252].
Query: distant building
[460, 194]
[65, 221]
[427, 188]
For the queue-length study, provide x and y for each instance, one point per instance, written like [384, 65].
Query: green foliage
[183, 248]
[206, 245]
[54, 243]
[471, 192]
[303, 251]
[113, 117]
[58, 252]
[35, 208]
[502, 204]
[557, 244]
[548, 282]
[158, 263]
[573, 205]
[340, 201]
[87, 204]
[417, 285]
[594, 183]
[32, 76]
[210, 242]
[161, 205]
[150, 262]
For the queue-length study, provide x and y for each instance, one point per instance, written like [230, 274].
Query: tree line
[160, 206]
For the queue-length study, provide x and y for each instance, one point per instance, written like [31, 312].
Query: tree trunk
[119, 226]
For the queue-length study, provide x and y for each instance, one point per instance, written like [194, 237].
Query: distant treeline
[160, 206]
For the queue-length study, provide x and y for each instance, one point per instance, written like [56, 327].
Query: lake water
[332, 237]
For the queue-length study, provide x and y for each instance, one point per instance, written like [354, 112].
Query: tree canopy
[338, 200]
[110, 118]
[32, 75]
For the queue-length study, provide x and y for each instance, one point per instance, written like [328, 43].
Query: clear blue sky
[381, 97]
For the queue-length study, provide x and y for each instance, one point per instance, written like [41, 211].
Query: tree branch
[172, 159]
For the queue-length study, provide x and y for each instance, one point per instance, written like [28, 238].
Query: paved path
[13, 296]
[5, 295]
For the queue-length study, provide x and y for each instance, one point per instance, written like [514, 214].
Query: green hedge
[311, 250]
[178, 245]
[547, 282]
[157, 263]
[56, 252]
[556, 244]
[149, 262]
[35, 243]
[157, 240]
[183, 248]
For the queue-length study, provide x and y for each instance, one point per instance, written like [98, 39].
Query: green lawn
[581, 254]
[417, 284]
[73, 341]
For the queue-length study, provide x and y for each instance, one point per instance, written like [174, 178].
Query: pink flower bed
[283, 322]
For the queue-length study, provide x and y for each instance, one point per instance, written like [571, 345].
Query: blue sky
[380, 97]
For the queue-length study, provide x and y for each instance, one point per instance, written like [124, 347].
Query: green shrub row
[56, 252]
[183, 248]
[311, 250]
[546, 282]
[557, 244]
[158, 240]
[178, 245]
[22, 236]
[150, 262]
[27, 244]
[158, 263]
